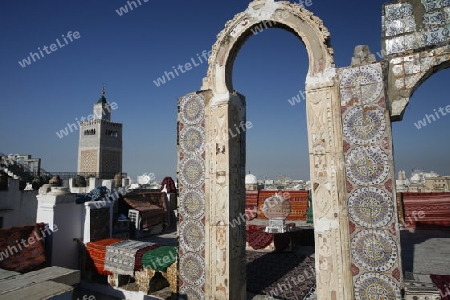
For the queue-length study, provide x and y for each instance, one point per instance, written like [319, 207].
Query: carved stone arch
[267, 13]
[212, 163]
[407, 73]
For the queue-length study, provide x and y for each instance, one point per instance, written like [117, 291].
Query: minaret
[100, 143]
[102, 109]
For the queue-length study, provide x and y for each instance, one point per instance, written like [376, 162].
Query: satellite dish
[144, 179]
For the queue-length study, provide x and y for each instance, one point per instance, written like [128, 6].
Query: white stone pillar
[93, 183]
[109, 183]
[64, 218]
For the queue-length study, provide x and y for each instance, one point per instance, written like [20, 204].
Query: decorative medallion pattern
[192, 140]
[370, 286]
[370, 207]
[192, 172]
[192, 292]
[367, 165]
[192, 269]
[375, 251]
[192, 235]
[192, 109]
[191, 166]
[368, 159]
[364, 83]
[363, 126]
[192, 204]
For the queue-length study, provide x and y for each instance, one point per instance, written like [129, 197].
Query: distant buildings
[422, 182]
[283, 183]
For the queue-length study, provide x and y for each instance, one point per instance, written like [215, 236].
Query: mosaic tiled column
[191, 179]
[374, 233]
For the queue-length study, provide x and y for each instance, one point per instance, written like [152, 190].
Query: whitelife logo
[124, 9]
[169, 75]
[53, 47]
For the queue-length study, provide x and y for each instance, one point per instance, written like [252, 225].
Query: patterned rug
[284, 275]
[443, 284]
[426, 209]
[125, 257]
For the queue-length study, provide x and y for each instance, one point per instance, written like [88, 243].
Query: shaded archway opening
[256, 29]
[269, 110]
[427, 75]
[421, 141]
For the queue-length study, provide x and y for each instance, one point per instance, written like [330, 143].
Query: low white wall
[66, 220]
[92, 184]
[18, 208]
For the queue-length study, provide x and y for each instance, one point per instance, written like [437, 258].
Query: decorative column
[192, 202]
[373, 223]
[225, 160]
[332, 264]
[212, 258]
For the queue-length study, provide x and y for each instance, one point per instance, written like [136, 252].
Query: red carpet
[297, 199]
[426, 209]
[95, 255]
[251, 204]
[443, 284]
[257, 238]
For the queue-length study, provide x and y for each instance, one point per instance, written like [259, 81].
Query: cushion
[23, 248]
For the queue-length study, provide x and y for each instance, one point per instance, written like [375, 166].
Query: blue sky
[127, 53]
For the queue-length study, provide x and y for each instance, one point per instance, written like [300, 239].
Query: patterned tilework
[89, 162]
[371, 207]
[436, 35]
[192, 172]
[403, 30]
[192, 203]
[435, 18]
[397, 11]
[376, 286]
[191, 167]
[192, 235]
[368, 165]
[432, 4]
[111, 161]
[399, 26]
[363, 126]
[375, 251]
[363, 83]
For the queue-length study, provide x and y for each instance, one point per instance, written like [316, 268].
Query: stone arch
[408, 72]
[292, 17]
[211, 164]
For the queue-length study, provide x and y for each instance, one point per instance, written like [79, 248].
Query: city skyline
[132, 52]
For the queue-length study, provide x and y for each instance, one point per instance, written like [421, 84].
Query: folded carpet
[125, 257]
[443, 284]
[159, 259]
[96, 253]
